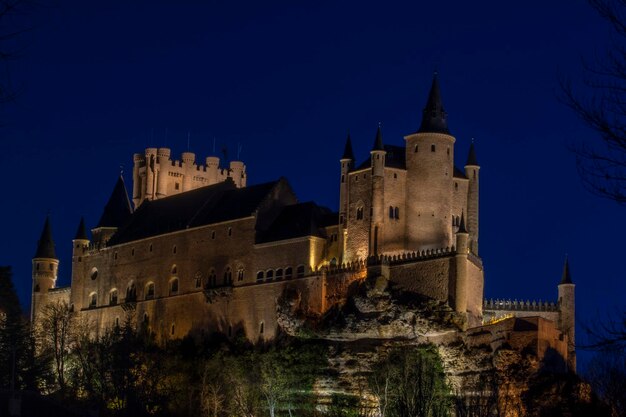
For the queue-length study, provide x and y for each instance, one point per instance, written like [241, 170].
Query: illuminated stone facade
[202, 251]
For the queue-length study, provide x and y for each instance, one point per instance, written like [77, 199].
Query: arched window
[300, 271]
[150, 291]
[212, 280]
[390, 212]
[93, 300]
[228, 276]
[198, 279]
[230, 231]
[261, 328]
[174, 249]
[173, 329]
[279, 274]
[174, 269]
[432, 148]
[240, 272]
[416, 148]
[174, 286]
[359, 213]
[260, 276]
[269, 275]
[131, 292]
[396, 213]
[288, 272]
[113, 297]
[94, 273]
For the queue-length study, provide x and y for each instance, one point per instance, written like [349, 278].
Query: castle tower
[163, 161]
[567, 310]
[189, 168]
[377, 155]
[212, 167]
[45, 268]
[80, 243]
[429, 183]
[462, 250]
[115, 214]
[237, 172]
[347, 164]
[471, 172]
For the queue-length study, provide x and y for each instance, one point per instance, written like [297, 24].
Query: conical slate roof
[378, 141]
[434, 117]
[566, 278]
[117, 210]
[45, 246]
[462, 228]
[347, 152]
[471, 156]
[81, 232]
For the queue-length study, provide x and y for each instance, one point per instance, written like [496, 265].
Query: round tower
[471, 172]
[377, 155]
[347, 164]
[139, 160]
[151, 173]
[567, 311]
[163, 159]
[189, 159]
[237, 172]
[212, 167]
[429, 183]
[45, 268]
[462, 250]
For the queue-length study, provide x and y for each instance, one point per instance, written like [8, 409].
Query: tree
[602, 164]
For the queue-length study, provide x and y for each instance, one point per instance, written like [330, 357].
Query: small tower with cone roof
[347, 165]
[471, 172]
[377, 155]
[116, 213]
[45, 268]
[462, 251]
[567, 313]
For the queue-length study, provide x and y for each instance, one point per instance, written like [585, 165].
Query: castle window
[212, 282]
[213, 234]
[150, 247]
[240, 274]
[396, 213]
[93, 300]
[359, 213]
[37, 267]
[132, 252]
[300, 271]
[279, 274]
[94, 273]
[416, 148]
[115, 256]
[131, 293]
[448, 151]
[343, 179]
[230, 231]
[172, 329]
[150, 291]
[288, 273]
[176, 186]
[474, 174]
[432, 148]
[456, 186]
[261, 328]
[117, 322]
[37, 289]
[228, 276]
[174, 286]
[113, 297]
[395, 175]
[390, 212]
[377, 156]
[269, 275]
[198, 279]
[80, 259]
[356, 178]
[260, 276]
[174, 250]
[51, 267]
[173, 270]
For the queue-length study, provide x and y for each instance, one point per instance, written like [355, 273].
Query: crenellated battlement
[515, 305]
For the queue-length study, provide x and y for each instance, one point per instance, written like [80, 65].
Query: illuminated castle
[202, 251]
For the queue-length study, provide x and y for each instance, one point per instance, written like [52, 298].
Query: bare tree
[602, 164]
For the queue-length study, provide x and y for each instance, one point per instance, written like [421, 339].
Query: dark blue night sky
[102, 80]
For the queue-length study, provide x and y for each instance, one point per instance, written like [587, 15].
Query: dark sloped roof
[45, 245]
[117, 210]
[471, 156]
[81, 232]
[458, 173]
[462, 228]
[299, 220]
[566, 278]
[347, 151]
[202, 206]
[395, 158]
[378, 141]
[434, 117]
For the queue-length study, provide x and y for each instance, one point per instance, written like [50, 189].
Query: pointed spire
[347, 152]
[462, 228]
[378, 142]
[45, 246]
[471, 156]
[434, 117]
[566, 278]
[81, 232]
[117, 209]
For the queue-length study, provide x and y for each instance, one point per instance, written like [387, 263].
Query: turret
[163, 160]
[430, 170]
[462, 250]
[212, 168]
[116, 213]
[377, 155]
[151, 174]
[45, 268]
[471, 172]
[347, 165]
[237, 172]
[567, 313]
[189, 170]
[139, 161]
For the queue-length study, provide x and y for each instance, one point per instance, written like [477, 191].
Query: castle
[200, 250]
